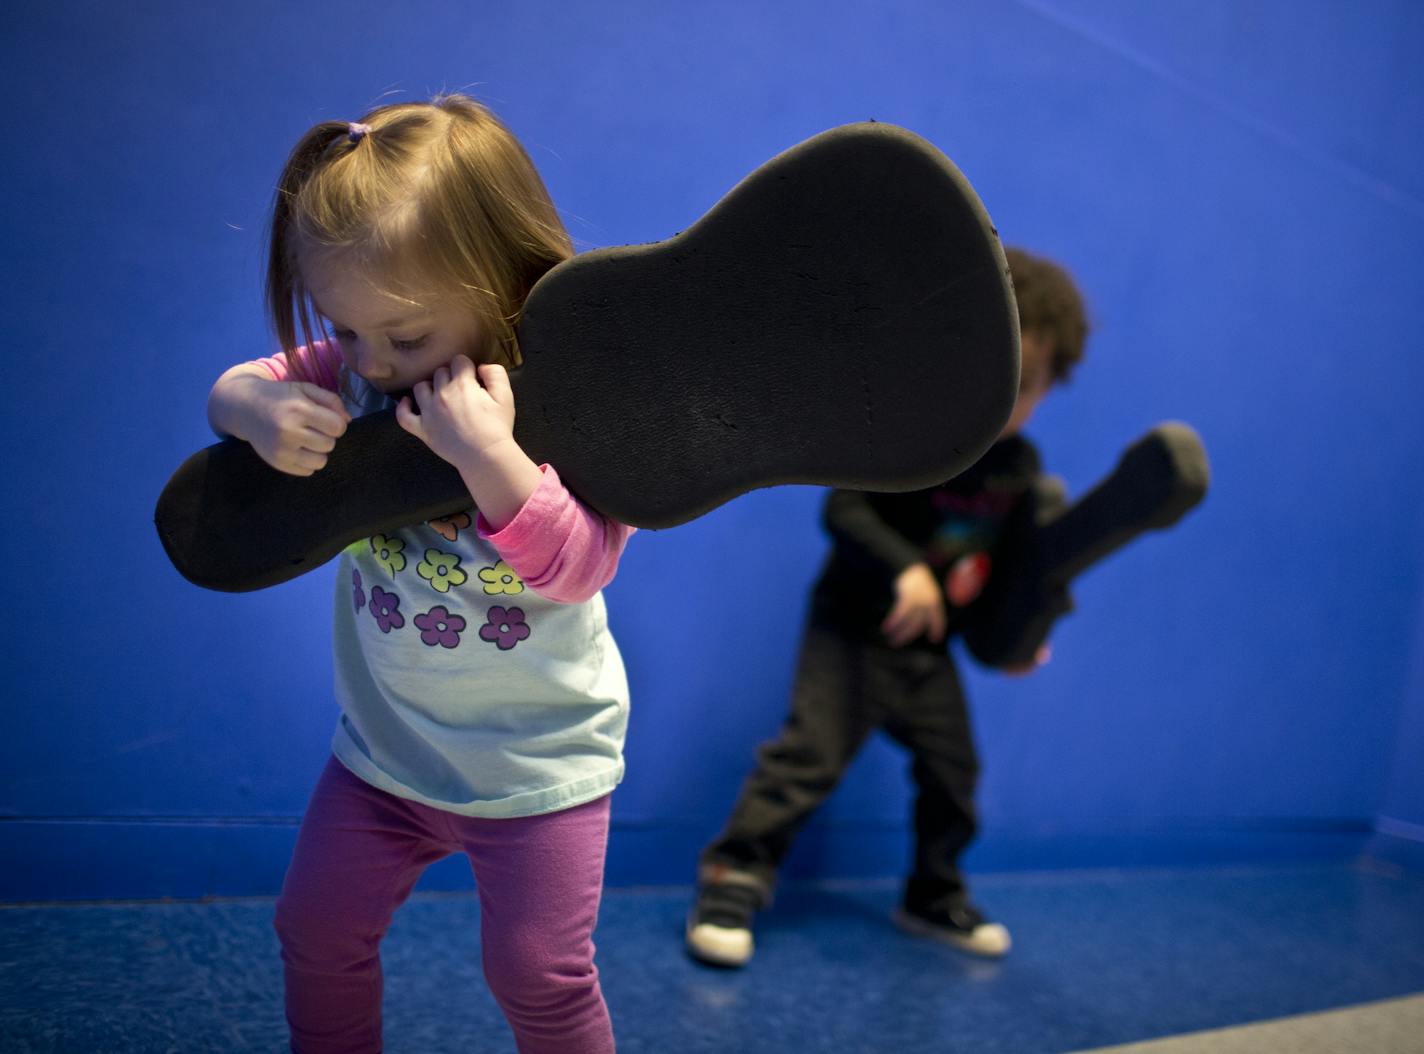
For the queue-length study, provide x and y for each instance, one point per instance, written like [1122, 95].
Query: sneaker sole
[989, 941]
[718, 945]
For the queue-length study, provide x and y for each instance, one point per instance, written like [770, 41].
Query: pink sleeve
[318, 363]
[560, 547]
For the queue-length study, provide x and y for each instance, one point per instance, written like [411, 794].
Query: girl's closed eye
[345, 336]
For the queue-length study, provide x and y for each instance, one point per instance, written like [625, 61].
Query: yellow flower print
[441, 570]
[501, 579]
[388, 553]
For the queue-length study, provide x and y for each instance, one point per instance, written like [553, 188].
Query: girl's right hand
[293, 425]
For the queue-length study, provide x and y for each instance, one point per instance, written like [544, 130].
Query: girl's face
[392, 342]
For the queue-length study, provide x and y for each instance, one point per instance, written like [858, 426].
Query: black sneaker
[719, 930]
[960, 925]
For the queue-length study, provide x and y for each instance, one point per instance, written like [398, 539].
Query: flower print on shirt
[441, 570]
[438, 627]
[449, 527]
[385, 609]
[506, 627]
[389, 553]
[501, 579]
[358, 595]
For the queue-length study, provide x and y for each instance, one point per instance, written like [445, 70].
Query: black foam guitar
[843, 316]
[1157, 481]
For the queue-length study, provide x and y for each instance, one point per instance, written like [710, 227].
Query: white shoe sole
[989, 941]
[719, 945]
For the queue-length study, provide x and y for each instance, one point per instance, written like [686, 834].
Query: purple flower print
[358, 595]
[385, 609]
[506, 627]
[438, 626]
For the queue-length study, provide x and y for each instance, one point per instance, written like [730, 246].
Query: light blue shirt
[459, 686]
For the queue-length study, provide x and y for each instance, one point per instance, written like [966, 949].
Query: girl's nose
[370, 365]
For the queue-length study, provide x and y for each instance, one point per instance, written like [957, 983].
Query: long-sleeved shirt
[876, 536]
[474, 668]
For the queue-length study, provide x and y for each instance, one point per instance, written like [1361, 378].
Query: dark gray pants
[845, 689]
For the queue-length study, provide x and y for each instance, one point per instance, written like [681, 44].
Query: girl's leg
[539, 881]
[358, 855]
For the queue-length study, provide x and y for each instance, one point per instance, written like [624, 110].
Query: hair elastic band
[355, 131]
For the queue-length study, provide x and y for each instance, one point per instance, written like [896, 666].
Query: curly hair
[1051, 305]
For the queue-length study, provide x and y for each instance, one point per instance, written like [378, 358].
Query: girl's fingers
[331, 423]
[300, 462]
[314, 439]
[322, 396]
[408, 419]
[495, 380]
[327, 415]
[328, 412]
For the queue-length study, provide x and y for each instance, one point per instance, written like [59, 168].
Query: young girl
[483, 701]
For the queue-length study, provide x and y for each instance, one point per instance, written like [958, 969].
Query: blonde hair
[439, 191]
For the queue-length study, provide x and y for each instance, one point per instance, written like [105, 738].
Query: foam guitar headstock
[1159, 479]
[843, 316]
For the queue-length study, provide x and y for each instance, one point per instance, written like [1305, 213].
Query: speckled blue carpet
[1100, 958]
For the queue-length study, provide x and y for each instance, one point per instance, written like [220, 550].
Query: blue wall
[1238, 188]
[1400, 825]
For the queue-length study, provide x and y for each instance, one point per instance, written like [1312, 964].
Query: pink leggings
[358, 855]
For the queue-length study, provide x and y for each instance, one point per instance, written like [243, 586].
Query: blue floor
[1100, 958]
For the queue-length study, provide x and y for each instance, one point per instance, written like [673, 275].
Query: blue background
[1238, 188]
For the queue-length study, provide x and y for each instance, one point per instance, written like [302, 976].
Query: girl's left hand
[466, 412]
